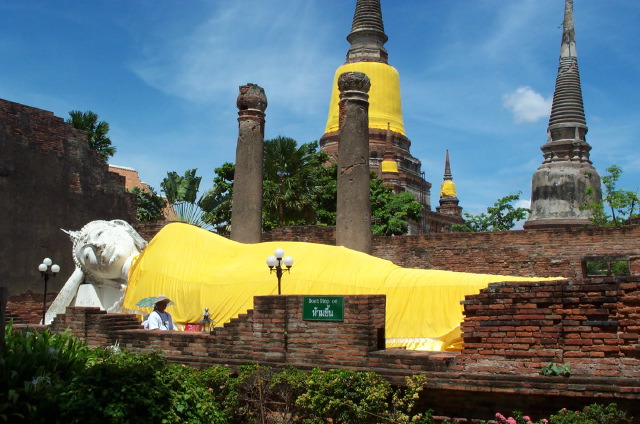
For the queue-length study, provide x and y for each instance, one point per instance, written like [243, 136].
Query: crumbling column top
[354, 81]
[252, 97]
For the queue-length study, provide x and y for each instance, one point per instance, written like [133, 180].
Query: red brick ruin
[511, 330]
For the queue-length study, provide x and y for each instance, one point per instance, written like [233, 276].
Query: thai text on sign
[323, 308]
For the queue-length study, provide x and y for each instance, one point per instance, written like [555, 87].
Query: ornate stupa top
[568, 46]
[567, 109]
[367, 35]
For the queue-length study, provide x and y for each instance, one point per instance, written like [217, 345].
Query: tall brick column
[353, 213]
[246, 208]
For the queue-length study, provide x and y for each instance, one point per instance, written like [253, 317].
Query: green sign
[323, 308]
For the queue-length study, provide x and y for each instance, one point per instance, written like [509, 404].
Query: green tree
[391, 212]
[150, 205]
[290, 181]
[300, 188]
[502, 216]
[96, 132]
[182, 193]
[620, 203]
[221, 195]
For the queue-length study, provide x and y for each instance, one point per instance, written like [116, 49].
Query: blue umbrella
[149, 302]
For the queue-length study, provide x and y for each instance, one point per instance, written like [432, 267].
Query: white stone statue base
[104, 297]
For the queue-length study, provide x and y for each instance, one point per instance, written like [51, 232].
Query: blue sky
[477, 77]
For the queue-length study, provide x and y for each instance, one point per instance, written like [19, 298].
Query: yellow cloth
[448, 189]
[198, 269]
[389, 166]
[385, 105]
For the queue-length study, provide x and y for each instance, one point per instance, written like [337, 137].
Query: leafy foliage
[181, 189]
[592, 414]
[181, 194]
[96, 132]
[221, 196]
[300, 188]
[125, 388]
[404, 402]
[54, 378]
[290, 181]
[268, 395]
[621, 203]
[344, 396]
[32, 365]
[150, 205]
[502, 216]
[390, 212]
[556, 369]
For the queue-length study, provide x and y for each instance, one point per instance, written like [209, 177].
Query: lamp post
[276, 261]
[47, 270]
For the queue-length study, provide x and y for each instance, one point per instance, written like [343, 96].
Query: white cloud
[527, 105]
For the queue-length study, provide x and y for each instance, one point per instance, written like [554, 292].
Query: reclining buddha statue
[198, 269]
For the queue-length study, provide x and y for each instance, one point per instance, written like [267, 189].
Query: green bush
[266, 395]
[223, 386]
[124, 388]
[592, 414]
[31, 367]
[344, 396]
[285, 388]
[404, 402]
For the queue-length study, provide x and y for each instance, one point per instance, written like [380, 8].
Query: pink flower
[210, 389]
[544, 420]
[527, 419]
[511, 420]
[499, 416]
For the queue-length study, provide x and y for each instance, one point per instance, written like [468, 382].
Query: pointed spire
[448, 195]
[448, 187]
[447, 169]
[568, 109]
[560, 183]
[568, 46]
[367, 35]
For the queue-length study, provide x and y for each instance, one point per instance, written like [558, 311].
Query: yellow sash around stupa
[198, 269]
[385, 105]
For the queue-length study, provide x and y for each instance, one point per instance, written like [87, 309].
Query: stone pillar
[353, 213]
[246, 207]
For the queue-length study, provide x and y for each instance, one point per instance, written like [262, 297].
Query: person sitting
[160, 319]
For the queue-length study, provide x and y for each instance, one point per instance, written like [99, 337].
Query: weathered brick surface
[521, 327]
[539, 253]
[49, 179]
[511, 331]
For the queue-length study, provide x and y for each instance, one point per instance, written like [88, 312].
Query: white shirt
[160, 320]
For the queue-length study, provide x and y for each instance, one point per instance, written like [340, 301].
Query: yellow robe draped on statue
[198, 269]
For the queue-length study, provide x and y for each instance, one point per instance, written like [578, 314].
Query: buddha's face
[103, 249]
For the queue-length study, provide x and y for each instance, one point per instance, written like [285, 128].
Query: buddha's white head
[103, 249]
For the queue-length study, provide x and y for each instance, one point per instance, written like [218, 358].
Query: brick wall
[49, 179]
[511, 331]
[518, 328]
[541, 253]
